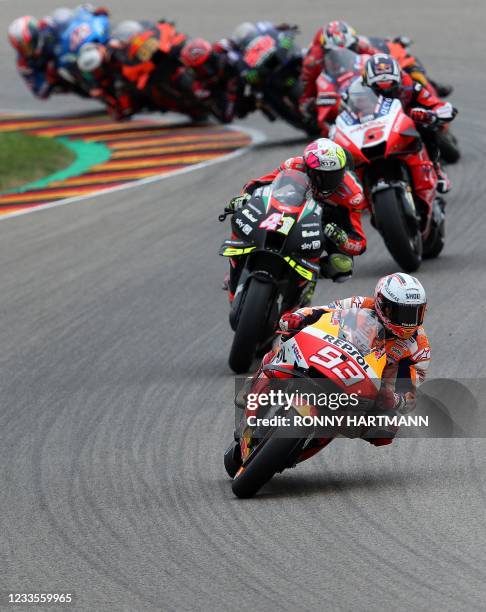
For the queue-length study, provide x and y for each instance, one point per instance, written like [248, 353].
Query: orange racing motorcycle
[345, 351]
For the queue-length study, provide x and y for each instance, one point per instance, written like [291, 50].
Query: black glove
[239, 201]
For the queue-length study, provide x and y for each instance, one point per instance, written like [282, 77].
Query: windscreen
[290, 187]
[339, 62]
[361, 328]
[362, 101]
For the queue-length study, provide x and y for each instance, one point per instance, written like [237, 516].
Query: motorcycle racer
[100, 75]
[151, 64]
[341, 197]
[37, 42]
[400, 303]
[337, 34]
[34, 42]
[215, 75]
[101, 65]
[384, 76]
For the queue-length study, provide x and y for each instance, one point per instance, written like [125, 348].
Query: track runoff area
[112, 155]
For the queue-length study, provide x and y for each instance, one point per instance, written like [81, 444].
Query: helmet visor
[326, 181]
[405, 315]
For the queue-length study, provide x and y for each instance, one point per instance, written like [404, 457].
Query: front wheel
[252, 323]
[435, 242]
[448, 147]
[402, 236]
[285, 103]
[273, 455]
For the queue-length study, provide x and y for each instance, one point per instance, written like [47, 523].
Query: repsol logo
[349, 349]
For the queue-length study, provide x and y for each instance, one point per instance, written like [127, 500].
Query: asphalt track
[116, 396]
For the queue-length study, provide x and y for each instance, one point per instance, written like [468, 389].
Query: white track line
[256, 136]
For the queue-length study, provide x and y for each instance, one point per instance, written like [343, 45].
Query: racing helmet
[24, 35]
[125, 30]
[400, 303]
[244, 32]
[62, 16]
[325, 165]
[91, 56]
[196, 52]
[382, 73]
[339, 35]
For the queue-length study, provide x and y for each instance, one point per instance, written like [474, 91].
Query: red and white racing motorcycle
[398, 176]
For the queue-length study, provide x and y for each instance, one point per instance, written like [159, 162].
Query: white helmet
[62, 16]
[125, 30]
[90, 57]
[245, 32]
[400, 302]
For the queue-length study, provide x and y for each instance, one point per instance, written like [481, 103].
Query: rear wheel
[251, 325]
[402, 236]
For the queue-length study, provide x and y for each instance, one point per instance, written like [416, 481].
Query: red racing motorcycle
[340, 359]
[398, 176]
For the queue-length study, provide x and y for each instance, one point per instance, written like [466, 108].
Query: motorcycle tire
[448, 147]
[251, 325]
[271, 456]
[232, 459]
[403, 243]
[286, 105]
[435, 243]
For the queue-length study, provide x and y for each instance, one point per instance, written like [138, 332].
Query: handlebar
[227, 211]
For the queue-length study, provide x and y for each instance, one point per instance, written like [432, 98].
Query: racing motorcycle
[85, 27]
[346, 348]
[273, 79]
[275, 247]
[385, 146]
[398, 48]
[151, 66]
[341, 68]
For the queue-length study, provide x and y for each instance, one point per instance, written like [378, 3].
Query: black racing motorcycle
[275, 250]
[273, 84]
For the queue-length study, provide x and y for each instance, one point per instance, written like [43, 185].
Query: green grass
[25, 158]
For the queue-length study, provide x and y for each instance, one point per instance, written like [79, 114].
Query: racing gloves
[292, 321]
[335, 234]
[239, 201]
[402, 403]
[423, 116]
